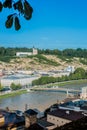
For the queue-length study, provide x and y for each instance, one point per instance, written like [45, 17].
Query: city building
[17, 120]
[11, 120]
[35, 51]
[70, 69]
[79, 105]
[21, 79]
[30, 117]
[60, 117]
[24, 54]
[84, 93]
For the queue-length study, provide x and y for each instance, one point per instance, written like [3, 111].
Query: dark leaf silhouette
[1, 6]
[18, 5]
[27, 10]
[7, 4]
[17, 24]
[22, 6]
[9, 21]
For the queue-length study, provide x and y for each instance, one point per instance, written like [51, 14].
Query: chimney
[68, 112]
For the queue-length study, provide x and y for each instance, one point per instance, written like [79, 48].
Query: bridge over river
[60, 89]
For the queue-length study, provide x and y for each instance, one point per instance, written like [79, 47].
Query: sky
[55, 24]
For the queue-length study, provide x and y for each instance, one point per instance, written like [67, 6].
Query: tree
[1, 87]
[21, 8]
[15, 86]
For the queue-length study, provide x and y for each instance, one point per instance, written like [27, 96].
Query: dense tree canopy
[21, 7]
[15, 86]
[67, 53]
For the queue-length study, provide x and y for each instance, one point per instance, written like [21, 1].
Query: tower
[84, 92]
[35, 51]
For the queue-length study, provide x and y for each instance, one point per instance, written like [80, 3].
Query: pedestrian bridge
[60, 89]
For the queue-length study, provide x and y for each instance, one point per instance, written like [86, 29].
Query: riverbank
[60, 84]
[12, 94]
[72, 82]
[40, 100]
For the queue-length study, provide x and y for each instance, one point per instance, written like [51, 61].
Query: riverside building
[21, 79]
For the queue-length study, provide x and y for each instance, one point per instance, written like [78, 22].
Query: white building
[70, 69]
[84, 93]
[24, 54]
[35, 51]
[17, 79]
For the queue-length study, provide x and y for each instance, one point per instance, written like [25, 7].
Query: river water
[36, 99]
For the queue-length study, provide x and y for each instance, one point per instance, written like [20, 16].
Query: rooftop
[11, 118]
[31, 112]
[67, 114]
[78, 104]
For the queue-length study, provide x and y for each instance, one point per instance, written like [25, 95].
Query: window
[53, 118]
[62, 121]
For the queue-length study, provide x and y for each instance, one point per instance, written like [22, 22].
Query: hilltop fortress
[24, 54]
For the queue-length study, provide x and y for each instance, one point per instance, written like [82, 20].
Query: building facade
[24, 54]
[60, 117]
[84, 93]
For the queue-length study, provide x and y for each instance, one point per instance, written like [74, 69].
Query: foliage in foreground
[18, 7]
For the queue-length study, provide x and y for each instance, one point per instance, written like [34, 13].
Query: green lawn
[60, 84]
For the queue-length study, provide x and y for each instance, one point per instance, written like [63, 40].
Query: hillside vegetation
[45, 60]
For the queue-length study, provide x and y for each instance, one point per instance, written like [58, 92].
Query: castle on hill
[24, 54]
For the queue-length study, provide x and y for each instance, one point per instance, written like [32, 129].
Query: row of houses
[56, 73]
[21, 79]
[58, 115]
[64, 113]
[17, 120]
[26, 77]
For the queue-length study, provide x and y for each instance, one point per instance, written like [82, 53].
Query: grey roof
[31, 112]
[43, 122]
[67, 114]
[11, 118]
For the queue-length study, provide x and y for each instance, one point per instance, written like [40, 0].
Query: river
[36, 99]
